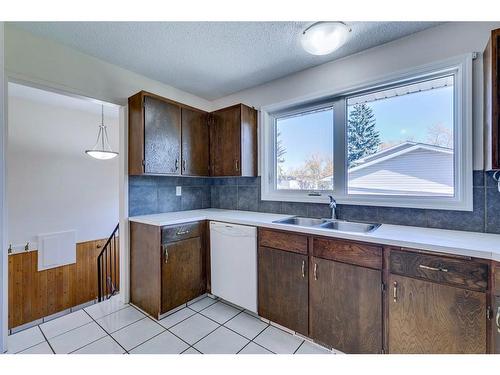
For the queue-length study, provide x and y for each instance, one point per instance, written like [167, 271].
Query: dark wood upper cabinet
[233, 141]
[162, 136]
[345, 306]
[430, 318]
[171, 138]
[491, 71]
[195, 143]
[283, 288]
[154, 135]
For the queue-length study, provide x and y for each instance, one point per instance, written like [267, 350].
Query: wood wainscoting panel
[35, 294]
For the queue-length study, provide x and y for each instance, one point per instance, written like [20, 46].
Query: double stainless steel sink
[332, 224]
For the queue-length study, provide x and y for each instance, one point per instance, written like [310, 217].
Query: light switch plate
[178, 191]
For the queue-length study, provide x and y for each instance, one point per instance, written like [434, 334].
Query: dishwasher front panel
[233, 262]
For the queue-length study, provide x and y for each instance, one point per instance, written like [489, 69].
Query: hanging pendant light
[102, 150]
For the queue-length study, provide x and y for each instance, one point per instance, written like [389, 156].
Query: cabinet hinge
[489, 314]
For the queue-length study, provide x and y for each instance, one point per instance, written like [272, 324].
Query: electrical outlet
[178, 191]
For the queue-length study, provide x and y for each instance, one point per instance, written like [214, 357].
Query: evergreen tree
[363, 138]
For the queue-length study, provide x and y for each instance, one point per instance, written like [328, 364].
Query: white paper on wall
[56, 249]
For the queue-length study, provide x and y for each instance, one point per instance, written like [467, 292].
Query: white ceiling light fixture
[102, 150]
[322, 38]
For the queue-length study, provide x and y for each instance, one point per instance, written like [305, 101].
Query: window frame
[461, 69]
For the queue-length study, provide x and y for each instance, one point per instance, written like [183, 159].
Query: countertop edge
[376, 237]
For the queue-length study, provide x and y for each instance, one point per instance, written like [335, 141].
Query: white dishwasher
[233, 263]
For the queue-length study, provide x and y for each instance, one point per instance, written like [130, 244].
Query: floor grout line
[165, 329]
[302, 343]
[112, 338]
[32, 346]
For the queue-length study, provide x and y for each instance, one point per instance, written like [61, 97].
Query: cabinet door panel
[496, 325]
[225, 138]
[346, 306]
[426, 317]
[283, 288]
[162, 136]
[195, 143]
[182, 275]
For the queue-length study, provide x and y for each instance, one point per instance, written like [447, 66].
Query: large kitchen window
[405, 142]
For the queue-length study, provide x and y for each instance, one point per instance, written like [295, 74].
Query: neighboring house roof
[405, 169]
[394, 151]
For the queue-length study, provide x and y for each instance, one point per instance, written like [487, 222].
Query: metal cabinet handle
[433, 268]
[184, 165]
[165, 253]
[176, 164]
[181, 232]
[237, 165]
[315, 271]
[497, 319]
[303, 268]
[395, 291]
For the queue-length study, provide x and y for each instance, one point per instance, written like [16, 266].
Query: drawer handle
[395, 291]
[303, 268]
[182, 232]
[315, 271]
[433, 268]
[498, 319]
[165, 253]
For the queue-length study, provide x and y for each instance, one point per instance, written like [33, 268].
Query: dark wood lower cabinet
[283, 288]
[167, 266]
[427, 317]
[496, 325]
[182, 274]
[346, 306]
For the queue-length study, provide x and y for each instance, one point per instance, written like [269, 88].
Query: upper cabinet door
[225, 142]
[431, 318]
[162, 136]
[195, 142]
[346, 306]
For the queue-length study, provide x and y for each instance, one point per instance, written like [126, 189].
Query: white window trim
[460, 66]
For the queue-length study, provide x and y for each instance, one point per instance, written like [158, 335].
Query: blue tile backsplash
[155, 194]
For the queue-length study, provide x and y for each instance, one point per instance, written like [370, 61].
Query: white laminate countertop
[473, 244]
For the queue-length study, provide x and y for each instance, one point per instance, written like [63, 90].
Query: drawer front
[180, 232]
[287, 241]
[464, 273]
[348, 252]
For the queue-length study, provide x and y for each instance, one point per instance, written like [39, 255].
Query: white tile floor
[207, 326]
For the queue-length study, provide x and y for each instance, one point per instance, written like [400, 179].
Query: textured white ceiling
[211, 59]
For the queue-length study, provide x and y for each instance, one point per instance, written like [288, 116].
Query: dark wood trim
[135, 135]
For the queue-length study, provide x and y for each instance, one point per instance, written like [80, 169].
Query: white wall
[431, 45]
[52, 185]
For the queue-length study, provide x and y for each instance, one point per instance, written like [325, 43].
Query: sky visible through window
[407, 117]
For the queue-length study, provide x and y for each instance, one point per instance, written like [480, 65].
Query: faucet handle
[333, 202]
